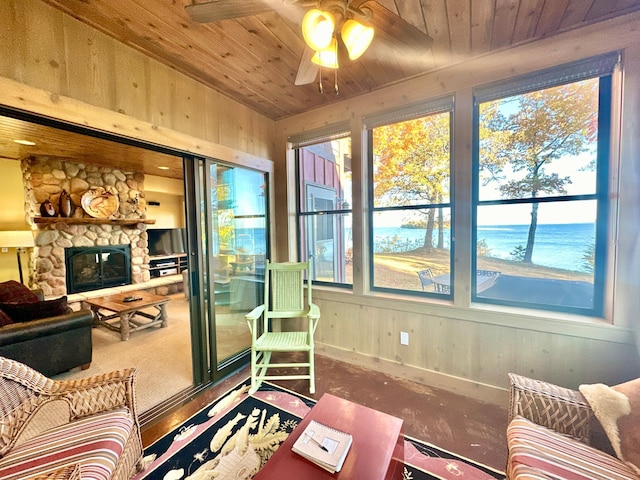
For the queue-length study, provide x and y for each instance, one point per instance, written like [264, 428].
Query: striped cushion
[558, 456]
[95, 442]
[71, 472]
[524, 472]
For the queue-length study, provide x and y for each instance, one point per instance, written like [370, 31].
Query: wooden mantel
[91, 221]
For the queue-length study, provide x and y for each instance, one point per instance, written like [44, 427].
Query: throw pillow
[618, 410]
[5, 319]
[23, 312]
[12, 291]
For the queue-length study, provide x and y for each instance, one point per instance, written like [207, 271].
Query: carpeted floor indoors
[162, 355]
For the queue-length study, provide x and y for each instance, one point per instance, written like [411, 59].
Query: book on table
[323, 445]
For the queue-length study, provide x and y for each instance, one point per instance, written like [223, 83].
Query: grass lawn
[399, 270]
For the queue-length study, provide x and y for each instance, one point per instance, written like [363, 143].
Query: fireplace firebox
[92, 268]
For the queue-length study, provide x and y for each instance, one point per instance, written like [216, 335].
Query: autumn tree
[412, 167]
[522, 135]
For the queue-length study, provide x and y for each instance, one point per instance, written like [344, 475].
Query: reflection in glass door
[322, 229]
[227, 208]
[230, 206]
[238, 249]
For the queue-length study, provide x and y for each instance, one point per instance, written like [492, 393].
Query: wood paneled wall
[56, 66]
[44, 48]
[466, 347]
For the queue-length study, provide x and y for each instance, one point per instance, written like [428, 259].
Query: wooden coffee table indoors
[377, 451]
[126, 309]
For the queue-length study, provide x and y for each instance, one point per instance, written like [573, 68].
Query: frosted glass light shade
[317, 29]
[19, 238]
[328, 57]
[356, 37]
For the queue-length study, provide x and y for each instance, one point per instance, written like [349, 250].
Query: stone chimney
[45, 178]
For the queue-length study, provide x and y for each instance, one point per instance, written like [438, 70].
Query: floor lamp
[18, 239]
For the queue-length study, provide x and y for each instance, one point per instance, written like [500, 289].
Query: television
[167, 241]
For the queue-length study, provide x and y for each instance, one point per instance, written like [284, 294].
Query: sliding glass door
[228, 208]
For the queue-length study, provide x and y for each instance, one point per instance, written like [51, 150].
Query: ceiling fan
[368, 14]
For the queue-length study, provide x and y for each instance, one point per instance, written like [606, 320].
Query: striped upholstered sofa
[553, 433]
[80, 429]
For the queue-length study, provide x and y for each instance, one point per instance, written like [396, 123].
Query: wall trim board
[462, 386]
[509, 317]
[19, 96]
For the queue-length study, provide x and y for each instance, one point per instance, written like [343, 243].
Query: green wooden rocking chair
[284, 297]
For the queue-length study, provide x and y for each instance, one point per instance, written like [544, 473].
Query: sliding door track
[150, 416]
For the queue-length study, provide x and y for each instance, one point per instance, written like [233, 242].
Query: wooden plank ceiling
[69, 145]
[254, 59]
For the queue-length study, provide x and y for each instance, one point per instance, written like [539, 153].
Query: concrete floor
[467, 427]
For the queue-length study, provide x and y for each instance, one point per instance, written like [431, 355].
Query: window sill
[508, 317]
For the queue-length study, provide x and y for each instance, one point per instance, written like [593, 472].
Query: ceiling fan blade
[396, 31]
[307, 71]
[227, 9]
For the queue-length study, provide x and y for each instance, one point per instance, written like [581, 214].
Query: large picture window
[324, 206]
[541, 189]
[539, 214]
[411, 216]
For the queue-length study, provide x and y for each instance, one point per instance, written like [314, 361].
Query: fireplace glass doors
[91, 268]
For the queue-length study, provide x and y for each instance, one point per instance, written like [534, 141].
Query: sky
[548, 213]
[583, 182]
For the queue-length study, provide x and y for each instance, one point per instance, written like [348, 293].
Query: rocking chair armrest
[314, 311]
[255, 314]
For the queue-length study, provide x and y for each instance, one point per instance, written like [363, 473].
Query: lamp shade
[356, 37]
[328, 57]
[17, 238]
[317, 29]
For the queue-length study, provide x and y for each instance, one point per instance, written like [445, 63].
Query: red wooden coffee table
[377, 451]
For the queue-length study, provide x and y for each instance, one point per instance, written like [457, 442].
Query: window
[541, 189]
[411, 217]
[323, 165]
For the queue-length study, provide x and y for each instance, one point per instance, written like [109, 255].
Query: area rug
[233, 437]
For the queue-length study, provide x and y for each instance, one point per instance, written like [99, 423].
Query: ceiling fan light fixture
[327, 57]
[356, 37]
[317, 29]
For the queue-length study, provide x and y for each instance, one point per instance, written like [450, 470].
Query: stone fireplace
[45, 178]
[92, 268]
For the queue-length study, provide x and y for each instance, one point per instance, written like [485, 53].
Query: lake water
[556, 245]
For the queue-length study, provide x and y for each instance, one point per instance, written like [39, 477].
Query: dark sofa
[51, 344]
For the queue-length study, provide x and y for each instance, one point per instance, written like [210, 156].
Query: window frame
[415, 111]
[603, 68]
[298, 142]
